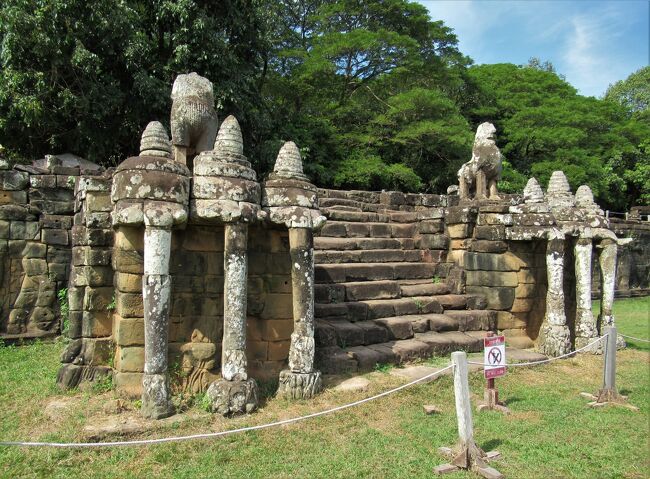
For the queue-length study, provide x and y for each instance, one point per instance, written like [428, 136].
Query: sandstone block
[55, 237]
[492, 278]
[492, 233]
[458, 231]
[498, 298]
[129, 305]
[13, 197]
[97, 324]
[129, 359]
[278, 350]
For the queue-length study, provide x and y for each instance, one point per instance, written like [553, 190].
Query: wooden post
[461, 393]
[467, 454]
[609, 392]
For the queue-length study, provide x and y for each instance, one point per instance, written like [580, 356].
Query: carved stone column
[153, 190]
[555, 331]
[607, 261]
[291, 200]
[225, 191]
[586, 329]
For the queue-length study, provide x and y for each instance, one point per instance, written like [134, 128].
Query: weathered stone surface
[155, 142]
[533, 192]
[478, 177]
[151, 178]
[356, 384]
[498, 298]
[558, 193]
[233, 397]
[13, 180]
[193, 118]
[297, 385]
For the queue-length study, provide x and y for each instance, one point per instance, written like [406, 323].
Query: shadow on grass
[491, 444]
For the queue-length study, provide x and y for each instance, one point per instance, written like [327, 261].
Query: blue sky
[592, 43]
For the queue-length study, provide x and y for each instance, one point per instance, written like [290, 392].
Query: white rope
[143, 442]
[547, 360]
[636, 339]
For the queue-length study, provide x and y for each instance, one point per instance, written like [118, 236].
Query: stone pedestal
[233, 397]
[555, 331]
[585, 323]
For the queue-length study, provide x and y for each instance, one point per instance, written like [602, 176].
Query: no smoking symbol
[494, 356]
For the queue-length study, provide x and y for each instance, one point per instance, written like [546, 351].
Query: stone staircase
[384, 290]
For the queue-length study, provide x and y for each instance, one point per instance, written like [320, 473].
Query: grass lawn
[550, 433]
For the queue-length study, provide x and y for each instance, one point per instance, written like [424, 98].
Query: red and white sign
[494, 356]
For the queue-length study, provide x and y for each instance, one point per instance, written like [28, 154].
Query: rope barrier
[144, 442]
[636, 339]
[548, 360]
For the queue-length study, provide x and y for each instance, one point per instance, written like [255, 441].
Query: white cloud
[591, 60]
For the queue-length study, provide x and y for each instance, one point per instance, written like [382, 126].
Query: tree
[544, 125]
[633, 93]
[87, 75]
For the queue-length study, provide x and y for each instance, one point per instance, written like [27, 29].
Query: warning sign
[494, 356]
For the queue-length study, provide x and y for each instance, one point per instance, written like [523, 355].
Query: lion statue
[480, 174]
[193, 118]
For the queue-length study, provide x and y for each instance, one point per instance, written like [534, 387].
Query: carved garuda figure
[193, 118]
[479, 175]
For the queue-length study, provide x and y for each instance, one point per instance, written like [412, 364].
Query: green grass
[633, 319]
[550, 433]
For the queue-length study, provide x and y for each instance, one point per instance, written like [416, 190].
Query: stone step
[377, 308]
[424, 289]
[474, 320]
[356, 291]
[352, 244]
[336, 360]
[342, 273]
[366, 229]
[369, 256]
[356, 216]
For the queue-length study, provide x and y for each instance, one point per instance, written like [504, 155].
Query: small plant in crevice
[111, 306]
[436, 279]
[64, 308]
[419, 304]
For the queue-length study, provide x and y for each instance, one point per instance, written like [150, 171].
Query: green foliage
[436, 279]
[111, 306]
[376, 94]
[64, 309]
[383, 367]
[103, 384]
[633, 93]
[371, 173]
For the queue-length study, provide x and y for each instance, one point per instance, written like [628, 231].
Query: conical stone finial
[559, 192]
[585, 201]
[229, 139]
[154, 141]
[533, 192]
[289, 163]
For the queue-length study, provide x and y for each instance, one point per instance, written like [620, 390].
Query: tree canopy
[376, 94]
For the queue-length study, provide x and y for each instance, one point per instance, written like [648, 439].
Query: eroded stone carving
[558, 192]
[155, 142]
[193, 118]
[533, 192]
[480, 175]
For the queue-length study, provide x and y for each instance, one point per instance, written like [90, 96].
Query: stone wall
[511, 275]
[196, 318]
[36, 216]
